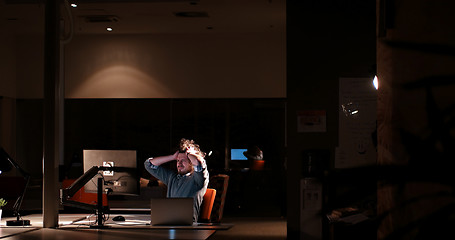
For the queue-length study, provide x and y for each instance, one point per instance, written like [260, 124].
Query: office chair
[220, 183]
[207, 205]
[82, 196]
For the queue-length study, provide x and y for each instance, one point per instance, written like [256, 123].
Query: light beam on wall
[120, 81]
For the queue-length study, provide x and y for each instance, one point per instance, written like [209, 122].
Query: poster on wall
[357, 123]
[311, 121]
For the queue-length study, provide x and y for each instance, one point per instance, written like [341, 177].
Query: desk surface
[79, 220]
[10, 233]
[136, 226]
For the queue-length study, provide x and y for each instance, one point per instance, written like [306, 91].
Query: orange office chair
[82, 196]
[207, 205]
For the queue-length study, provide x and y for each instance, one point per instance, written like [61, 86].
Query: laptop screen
[171, 211]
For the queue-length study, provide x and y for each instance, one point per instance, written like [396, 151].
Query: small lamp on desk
[6, 164]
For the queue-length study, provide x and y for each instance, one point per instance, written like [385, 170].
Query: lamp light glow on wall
[109, 29]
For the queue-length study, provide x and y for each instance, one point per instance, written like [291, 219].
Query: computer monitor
[237, 154]
[124, 182]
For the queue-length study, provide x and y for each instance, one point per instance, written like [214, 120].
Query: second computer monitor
[124, 182]
[237, 154]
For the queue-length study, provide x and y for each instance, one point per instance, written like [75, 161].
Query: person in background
[191, 178]
[255, 157]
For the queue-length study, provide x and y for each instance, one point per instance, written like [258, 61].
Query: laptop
[171, 211]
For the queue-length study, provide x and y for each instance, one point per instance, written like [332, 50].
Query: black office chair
[219, 183]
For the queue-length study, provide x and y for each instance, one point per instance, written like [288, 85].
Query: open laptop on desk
[171, 211]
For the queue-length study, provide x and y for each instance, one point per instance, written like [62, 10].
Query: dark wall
[326, 40]
[154, 126]
[29, 130]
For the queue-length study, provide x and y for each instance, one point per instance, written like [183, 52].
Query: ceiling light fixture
[109, 29]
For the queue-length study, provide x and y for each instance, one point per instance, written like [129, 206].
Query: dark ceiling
[150, 16]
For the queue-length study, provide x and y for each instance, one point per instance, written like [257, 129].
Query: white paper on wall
[357, 123]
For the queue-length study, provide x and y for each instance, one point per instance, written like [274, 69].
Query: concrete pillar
[51, 114]
[416, 72]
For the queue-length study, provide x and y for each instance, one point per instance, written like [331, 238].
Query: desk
[134, 227]
[101, 234]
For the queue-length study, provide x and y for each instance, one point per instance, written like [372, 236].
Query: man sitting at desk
[192, 177]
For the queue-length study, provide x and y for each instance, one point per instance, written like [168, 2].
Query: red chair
[207, 205]
[82, 196]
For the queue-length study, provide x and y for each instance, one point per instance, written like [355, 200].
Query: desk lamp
[67, 193]
[6, 164]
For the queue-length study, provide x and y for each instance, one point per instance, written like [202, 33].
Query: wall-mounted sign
[311, 121]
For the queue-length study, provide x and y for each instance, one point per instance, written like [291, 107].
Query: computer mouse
[118, 218]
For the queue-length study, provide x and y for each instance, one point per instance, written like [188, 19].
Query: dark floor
[266, 228]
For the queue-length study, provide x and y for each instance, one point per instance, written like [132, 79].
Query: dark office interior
[274, 74]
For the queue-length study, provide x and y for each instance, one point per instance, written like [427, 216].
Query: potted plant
[3, 202]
